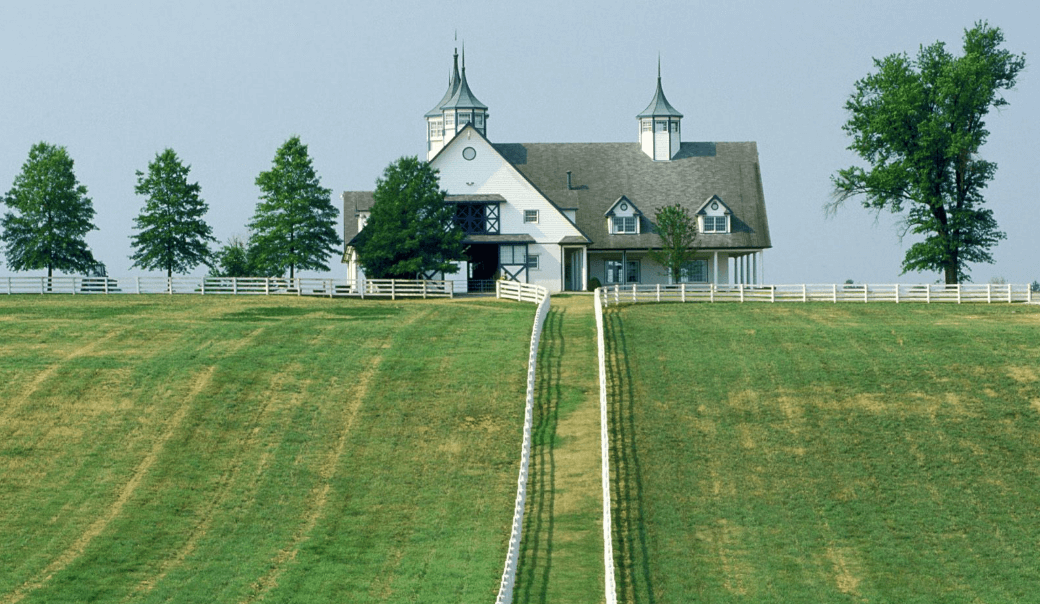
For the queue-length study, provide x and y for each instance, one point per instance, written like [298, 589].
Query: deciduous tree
[173, 235]
[678, 231]
[411, 231]
[294, 226]
[919, 124]
[51, 214]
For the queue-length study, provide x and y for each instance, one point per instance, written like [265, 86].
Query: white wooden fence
[523, 292]
[609, 584]
[938, 293]
[299, 286]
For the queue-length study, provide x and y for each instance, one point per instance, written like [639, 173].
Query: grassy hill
[826, 453]
[218, 449]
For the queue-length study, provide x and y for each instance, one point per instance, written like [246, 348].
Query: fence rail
[609, 584]
[522, 293]
[936, 293]
[262, 286]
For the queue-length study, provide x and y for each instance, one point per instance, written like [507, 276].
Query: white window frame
[688, 273]
[530, 216]
[714, 223]
[619, 225]
[512, 254]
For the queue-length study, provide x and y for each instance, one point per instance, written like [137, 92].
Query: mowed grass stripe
[253, 495]
[832, 453]
[561, 552]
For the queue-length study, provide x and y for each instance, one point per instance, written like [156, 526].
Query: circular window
[623, 207]
[714, 205]
[469, 153]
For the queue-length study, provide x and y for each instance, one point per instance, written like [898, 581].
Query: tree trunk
[951, 273]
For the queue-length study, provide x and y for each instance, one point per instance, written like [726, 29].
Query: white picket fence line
[263, 286]
[523, 292]
[609, 584]
[925, 293]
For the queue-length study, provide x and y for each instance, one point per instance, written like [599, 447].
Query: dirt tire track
[77, 548]
[319, 494]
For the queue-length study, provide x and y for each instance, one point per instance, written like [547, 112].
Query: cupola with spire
[458, 107]
[659, 125]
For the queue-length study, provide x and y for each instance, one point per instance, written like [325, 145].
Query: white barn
[562, 214]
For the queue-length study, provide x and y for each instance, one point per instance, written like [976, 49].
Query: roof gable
[703, 210]
[623, 200]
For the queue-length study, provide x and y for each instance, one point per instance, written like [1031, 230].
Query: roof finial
[463, 56]
[659, 65]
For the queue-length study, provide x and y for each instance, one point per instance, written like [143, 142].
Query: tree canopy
[51, 215]
[919, 124]
[678, 231]
[410, 231]
[174, 237]
[294, 226]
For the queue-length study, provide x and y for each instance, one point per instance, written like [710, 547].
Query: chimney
[569, 186]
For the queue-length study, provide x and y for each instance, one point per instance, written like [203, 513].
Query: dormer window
[715, 224]
[624, 225]
[714, 216]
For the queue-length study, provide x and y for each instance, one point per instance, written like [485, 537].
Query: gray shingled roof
[453, 87]
[659, 105]
[603, 172]
[354, 202]
[463, 97]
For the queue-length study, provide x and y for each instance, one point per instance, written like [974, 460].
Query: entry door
[572, 265]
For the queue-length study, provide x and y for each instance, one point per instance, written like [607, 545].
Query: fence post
[684, 293]
[958, 293]
[989, 293]
[267, 286]
[834, 292]
[658, 292]
[1009, 293]
[41, 285]
[866, 289]
[393, 289]
[203, 286]
[897, 293]
[74, 285]
[711, 293]
[299, 287]
[804, 296]
[424, 289]
[741, 293]
[772, 294]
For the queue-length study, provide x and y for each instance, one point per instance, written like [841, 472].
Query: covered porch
[718, 267]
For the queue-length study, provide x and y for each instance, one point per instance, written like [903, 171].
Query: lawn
[826, 453]
[219, 449]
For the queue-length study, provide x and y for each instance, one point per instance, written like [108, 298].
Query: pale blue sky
[225, 83]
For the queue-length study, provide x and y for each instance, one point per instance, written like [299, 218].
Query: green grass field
[218, 449]
[826, 453]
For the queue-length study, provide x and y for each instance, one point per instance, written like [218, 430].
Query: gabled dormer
[714, 216]
[623, 218]
[659, 129]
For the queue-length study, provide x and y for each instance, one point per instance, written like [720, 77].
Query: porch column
[754, 269]
[624, 267]
[584, 269]
[715, 268]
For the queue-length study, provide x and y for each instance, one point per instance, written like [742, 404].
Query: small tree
[236, 259]
[919, 124]
[173, 236]
[411, 231]
[294, 226]
[51, 215]
[678, 231]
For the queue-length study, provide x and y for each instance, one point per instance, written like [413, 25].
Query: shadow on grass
[631, 557]
[536, 544]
